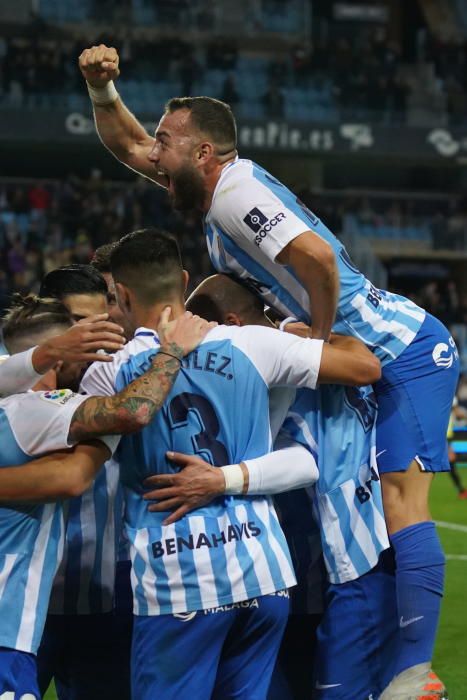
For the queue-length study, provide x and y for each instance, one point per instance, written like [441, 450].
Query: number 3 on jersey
[205, 443]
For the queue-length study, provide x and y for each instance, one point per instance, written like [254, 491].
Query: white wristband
[234, 480]
[289, 319]
[103, 96]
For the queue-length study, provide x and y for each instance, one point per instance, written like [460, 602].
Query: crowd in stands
[359, 76]
[45, 224]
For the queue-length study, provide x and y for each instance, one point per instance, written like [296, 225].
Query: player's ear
[232, 319]
[123, 297]
[204, 152]
[186, 279]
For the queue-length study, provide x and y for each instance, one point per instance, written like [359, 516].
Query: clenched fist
[99, 65]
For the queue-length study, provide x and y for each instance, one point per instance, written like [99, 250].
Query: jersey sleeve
[291, 466]
[49, 416]
[99, 379]
[251, 214]
[282, 359]
[17, 373]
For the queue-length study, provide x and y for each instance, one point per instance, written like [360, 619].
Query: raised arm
[118, 128]
[55, 476]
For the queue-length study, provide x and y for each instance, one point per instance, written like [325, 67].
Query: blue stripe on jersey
[204, 414]
[260, 273]
[354, 551]
[73, 563]
[56, 535]
[342, 421]
[386, 322]
[139, 567]
[245, 561]
[101, 507]
[352, 283]
[276, 531]
[14, 591]
[187, 566]
[25, 570]
[219, 566]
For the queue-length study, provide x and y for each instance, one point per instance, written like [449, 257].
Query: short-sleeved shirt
[252, 219]
[338, 424]
[233, 549]
[31, 536]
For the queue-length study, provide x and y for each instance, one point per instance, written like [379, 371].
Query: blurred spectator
[229, 91]
[44, 225]
[273, 101]
[365, 76]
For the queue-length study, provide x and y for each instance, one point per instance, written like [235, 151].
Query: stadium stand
[309, 80]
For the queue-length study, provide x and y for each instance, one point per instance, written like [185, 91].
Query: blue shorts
[293, 675]
[219, 654]
[18, 675]
[87, 655]
[415, 396]
[358, 636]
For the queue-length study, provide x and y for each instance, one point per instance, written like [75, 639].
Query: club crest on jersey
[57, 396]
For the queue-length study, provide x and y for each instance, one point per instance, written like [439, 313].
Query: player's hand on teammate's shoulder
[298, 328]
[83, 341]
[196, 484]
[99, 65]
[184, 334]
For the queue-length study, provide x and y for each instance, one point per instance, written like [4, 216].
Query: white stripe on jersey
[254, 547]
[378, 512]
[284, 564]
[10, 560]
[35, 573]
[404, 307]
[172, 569]
[234, 570]
[139, 548]
[305, 428]
[206, 580]
[359, 528]
[397, 329]
[335, 542]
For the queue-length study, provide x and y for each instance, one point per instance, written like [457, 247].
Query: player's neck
[149, 317]
[211, 180]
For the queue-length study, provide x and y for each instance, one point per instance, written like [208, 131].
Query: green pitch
[450, 653]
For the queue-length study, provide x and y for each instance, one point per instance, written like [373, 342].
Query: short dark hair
[221, 294]
[29, 318]
[148, 262]
[72, 279]
[101, 258]
[211, 117]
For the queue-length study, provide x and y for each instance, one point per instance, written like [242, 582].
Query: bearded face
[186, 190]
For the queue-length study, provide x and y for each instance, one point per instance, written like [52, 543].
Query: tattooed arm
[131, 409]
[134, 407]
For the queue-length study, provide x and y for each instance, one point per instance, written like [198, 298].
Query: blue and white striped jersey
[233, 549]
[85, 580]
[253, 217]
[31, 536]
[338, 423]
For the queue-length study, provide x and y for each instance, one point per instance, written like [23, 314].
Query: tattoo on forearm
[133, 407]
